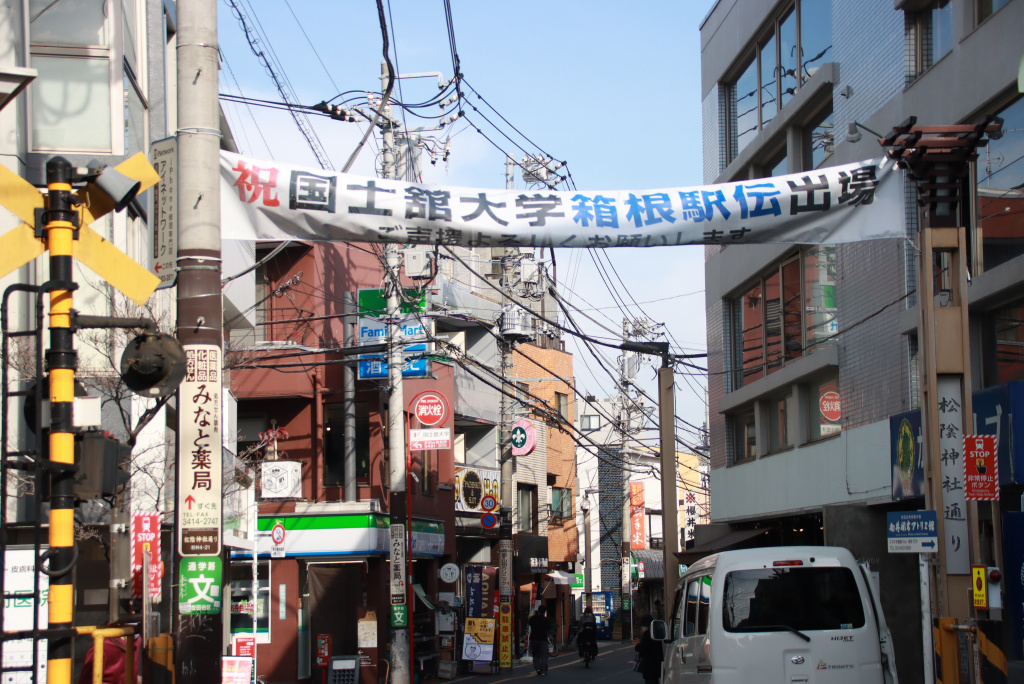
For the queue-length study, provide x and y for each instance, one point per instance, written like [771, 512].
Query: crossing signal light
[153, 364]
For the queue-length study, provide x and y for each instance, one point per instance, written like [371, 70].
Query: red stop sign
[430, 408]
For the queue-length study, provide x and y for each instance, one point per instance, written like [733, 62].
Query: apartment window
[334, 443]
[744, 436]
[1000, 206]
[526, 500]
[1009, 334]
[789, 309]
[933, 29]
[74, 94]
[784, 57]
[819, 139]
[824, 408]
[781, 422]
[589, 423]
[563, 404]
[561, 503]
[988, 7]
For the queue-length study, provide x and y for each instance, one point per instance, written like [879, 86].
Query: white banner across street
[266, 200]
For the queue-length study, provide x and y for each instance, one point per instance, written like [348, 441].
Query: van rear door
[798, 624]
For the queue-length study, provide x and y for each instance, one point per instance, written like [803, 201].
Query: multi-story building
[812, 349]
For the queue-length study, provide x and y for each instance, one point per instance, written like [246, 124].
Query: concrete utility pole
[401, 644]
[669, 491]
[198, 626]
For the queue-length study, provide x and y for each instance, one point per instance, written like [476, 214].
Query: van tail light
[788, 563]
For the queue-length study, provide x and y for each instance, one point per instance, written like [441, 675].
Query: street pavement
[614, 662]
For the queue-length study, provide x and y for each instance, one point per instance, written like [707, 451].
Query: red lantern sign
[430, 408]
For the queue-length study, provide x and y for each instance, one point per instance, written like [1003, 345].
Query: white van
[783, 615]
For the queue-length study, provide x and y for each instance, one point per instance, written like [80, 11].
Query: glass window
[773, 321]
[750, 356]
[803, 598]
[1000, 208]
[815, 36]
[787, 68]
[69, 22]
[825, 408]
[244, 604]
[778, 166]
[526, 498]
[130, 24]
[1009, 324]
[134, 119]
[987, 7]
[704, 606]
[769, 81]
[820, 293]
[744, 107]
[745, 436]
[563, 404]
[561, 503]
[934, 33]
[781, 422]
[692, 599]
[819, 140]
[588, 423]
[792, 334]
[71, 103]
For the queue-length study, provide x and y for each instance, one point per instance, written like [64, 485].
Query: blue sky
[611, 88]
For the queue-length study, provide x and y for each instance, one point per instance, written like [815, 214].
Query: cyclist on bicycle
[587, 638]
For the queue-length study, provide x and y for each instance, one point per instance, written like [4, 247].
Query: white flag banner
[266, 200]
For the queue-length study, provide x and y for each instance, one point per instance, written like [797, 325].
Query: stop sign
[430, 408]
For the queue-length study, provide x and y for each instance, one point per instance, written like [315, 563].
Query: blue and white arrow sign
[912, 531]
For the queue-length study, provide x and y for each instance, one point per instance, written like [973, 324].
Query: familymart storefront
[321, 579]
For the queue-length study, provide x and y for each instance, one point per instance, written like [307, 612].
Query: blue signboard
[1013, 561]
[999, 411]
[906, 454]
[912, 531]
[474, 591]
[375, 366]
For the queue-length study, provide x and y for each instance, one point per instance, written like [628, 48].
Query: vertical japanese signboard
[199, 453]
[164, 156]
[637, 534]
[691, 515]
[17, 615]
[954, 503]
[398, 547]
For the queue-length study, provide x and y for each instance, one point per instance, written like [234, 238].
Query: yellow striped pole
[61, 361]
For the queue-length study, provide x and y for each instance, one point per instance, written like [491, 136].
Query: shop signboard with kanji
[199, 589]
[637, 534]
[199, 453]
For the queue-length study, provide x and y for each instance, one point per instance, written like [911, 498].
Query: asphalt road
[614, 662]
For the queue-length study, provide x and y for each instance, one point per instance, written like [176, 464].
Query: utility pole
[939, 159]
[669, 492]
[401, 643]
[199, 553]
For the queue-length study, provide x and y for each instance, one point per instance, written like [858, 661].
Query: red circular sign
[830, 406]
[278, 534]
[430, 408]
[488, 503]
[488, 520]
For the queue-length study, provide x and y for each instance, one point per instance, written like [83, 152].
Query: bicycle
[524, 646]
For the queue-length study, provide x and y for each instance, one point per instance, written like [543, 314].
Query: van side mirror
[659, 630]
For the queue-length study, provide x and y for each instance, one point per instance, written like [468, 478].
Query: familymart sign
[268, 200]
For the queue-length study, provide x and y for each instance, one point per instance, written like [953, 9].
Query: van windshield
[800, 598]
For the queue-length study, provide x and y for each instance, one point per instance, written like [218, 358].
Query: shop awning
[654, 564]
[732, 540]
[561, 577]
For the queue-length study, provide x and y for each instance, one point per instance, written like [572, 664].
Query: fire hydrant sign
[199, 453]
[430, 408]
[981, 468]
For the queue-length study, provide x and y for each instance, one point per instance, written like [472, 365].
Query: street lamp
[588, 600]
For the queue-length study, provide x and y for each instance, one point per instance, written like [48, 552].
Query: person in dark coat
[539, 628]
[650, 652]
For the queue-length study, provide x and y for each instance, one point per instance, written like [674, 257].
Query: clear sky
[611, 88]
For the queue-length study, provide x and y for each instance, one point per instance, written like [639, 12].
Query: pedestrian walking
[539, 628]
[649, 651]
